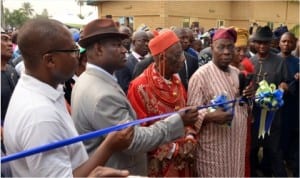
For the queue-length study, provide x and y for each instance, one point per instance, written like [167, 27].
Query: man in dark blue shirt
[290, 126]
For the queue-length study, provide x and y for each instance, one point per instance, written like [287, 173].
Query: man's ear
[212, 46]
[161, 56]
[99, 48]
[84, 60]
[49, 60]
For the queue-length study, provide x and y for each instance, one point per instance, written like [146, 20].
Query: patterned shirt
[221, 149]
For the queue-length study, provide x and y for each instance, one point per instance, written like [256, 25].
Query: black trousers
[290, 133]
[272, 162]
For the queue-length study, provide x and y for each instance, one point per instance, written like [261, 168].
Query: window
[271, 25]
[220, 23]
[195, 24]
[127, 21]
[186, 22]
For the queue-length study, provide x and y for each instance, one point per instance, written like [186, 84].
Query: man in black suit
[127, 41]
[139, 51]
[141, 66]
[191, 62]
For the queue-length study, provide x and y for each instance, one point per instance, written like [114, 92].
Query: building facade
[205, 14]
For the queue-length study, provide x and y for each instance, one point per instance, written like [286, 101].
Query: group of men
[189, 143]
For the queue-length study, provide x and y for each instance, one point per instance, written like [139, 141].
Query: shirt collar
[136, 55]
[89, 65]
[43, 88]
[75, 77]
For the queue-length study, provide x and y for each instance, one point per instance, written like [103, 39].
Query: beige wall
[241, 10]
[151, 21]
[234, 13]
[293, 14]
[278, 12]
[152, 16]
[129, 8]
[202, 9]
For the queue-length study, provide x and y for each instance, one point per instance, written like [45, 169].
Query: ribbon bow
[221, 102]
[269, 99]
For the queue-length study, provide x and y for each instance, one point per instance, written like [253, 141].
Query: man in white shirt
[37, 112]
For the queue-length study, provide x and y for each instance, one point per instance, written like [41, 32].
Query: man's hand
[108, 172]
[249, 91]
[189, 116]
[284, 86]
[296, 76]
[120, 140]
[218, 116]
[188, 147]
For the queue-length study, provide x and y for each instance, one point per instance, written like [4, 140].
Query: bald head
[38, 36]
[287, 43]
[150, 35]
[182, 34]
[178, 31]
[138, 35]
[126, 30]
[290, 34]
[190, 35]
[140, 41]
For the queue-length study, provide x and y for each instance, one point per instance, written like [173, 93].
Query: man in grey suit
[99, 102]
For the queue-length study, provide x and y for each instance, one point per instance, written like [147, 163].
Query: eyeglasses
[76, 52]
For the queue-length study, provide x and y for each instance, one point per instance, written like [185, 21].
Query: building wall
[278, 12]
[152, 16]
[207, 13]
[202, 9]
[293, 16]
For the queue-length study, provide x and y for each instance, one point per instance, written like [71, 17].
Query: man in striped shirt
[221, 148]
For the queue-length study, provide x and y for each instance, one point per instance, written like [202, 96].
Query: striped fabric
[221, 149]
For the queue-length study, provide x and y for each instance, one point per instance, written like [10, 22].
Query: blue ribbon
[270, 100]
[94, 134]
[269, 120]
[221, 102]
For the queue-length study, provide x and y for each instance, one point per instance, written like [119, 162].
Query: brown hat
[98, 29]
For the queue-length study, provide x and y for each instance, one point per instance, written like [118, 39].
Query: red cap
[162, 41]
[225, 33]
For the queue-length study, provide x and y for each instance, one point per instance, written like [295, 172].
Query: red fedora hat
[98, 29]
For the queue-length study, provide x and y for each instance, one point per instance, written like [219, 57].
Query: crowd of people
[55, 85]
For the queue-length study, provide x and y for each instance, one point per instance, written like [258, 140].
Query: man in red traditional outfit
[159, 90]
